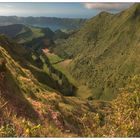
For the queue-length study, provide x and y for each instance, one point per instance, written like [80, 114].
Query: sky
[63, 10]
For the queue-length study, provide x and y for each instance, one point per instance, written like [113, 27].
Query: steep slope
[29, 108]
[49, 114]
[105, 51]
[40, 42]
[61, 34]
[38, 64]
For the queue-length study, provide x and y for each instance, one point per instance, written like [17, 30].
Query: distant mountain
[35, 37]
[50, 22]
[14, 30]
[22, 33]
[105, 51]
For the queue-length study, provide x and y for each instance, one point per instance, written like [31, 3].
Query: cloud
[107, 6]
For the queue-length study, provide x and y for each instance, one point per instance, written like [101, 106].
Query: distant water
[54, 27]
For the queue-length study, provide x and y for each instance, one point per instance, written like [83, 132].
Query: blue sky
[69, 10]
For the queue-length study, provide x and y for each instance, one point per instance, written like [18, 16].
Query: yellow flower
[27, 130]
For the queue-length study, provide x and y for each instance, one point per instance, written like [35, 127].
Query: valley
[41, 39]
[80, 79]
[63, 66]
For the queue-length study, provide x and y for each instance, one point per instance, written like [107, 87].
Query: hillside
[29, 109]
[105, 51]
[85, 84]
[22, 33]
[13, 30]
[50, 22]
[34, 36]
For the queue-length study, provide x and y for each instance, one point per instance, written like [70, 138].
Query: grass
[82, 90]
[97, 51]
[37, 32]
[54, 58]
[50, 114]
[62, 65]
[28, 34]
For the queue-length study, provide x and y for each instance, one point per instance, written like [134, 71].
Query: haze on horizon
[62, 10]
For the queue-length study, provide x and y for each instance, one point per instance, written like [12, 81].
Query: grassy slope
[107, 39]
[82, 90]
[28, 35]
[49, 114]
[23, 34]
[27, 108]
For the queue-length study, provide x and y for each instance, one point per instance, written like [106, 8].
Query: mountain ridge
[51, 22]
[107, 40]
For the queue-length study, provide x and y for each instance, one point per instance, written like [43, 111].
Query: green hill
[105, 51]
[33, 36]
[22, 33]
[31, 109]
[28, 107]
[13, 30]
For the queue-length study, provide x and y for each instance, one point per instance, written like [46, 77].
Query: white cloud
[107, 6]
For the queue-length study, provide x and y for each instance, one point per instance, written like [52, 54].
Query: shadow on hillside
[43, 77]
[61, 83]
[16, 100]
[65, 88]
